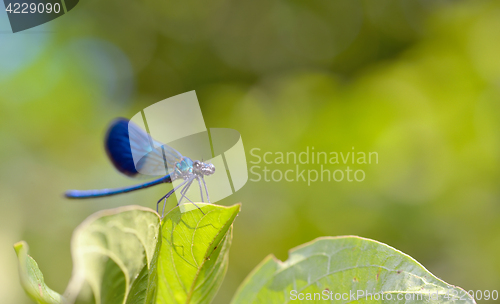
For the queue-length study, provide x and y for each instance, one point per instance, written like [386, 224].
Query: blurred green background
[417, 81]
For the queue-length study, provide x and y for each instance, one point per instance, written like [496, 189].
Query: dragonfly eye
[197, 165]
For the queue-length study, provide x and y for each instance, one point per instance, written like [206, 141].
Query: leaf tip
[20, 246]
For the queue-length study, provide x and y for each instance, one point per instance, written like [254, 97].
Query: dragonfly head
[202, 168]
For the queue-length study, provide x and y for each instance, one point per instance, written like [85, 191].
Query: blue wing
[126, 141]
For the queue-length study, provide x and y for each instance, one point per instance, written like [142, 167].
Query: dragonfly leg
[206, 189]
[195, 205]
[166, 196]
[164, 204]
[184, 191]
[201, 190]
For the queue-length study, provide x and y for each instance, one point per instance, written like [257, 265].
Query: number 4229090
[33, 8]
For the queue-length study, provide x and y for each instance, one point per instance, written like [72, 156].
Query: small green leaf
[114, 252]
[32, 278]
[194, 253]
[346, 266]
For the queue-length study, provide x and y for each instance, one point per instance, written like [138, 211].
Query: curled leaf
[32, 278]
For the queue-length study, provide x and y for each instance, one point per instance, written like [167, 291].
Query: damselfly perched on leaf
[124, 141]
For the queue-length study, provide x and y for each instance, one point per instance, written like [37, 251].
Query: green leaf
[194, 252]
[345, 266]
[121, 256]
[114, 252]
[32, 278]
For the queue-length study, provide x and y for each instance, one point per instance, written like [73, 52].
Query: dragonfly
[123, 140]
